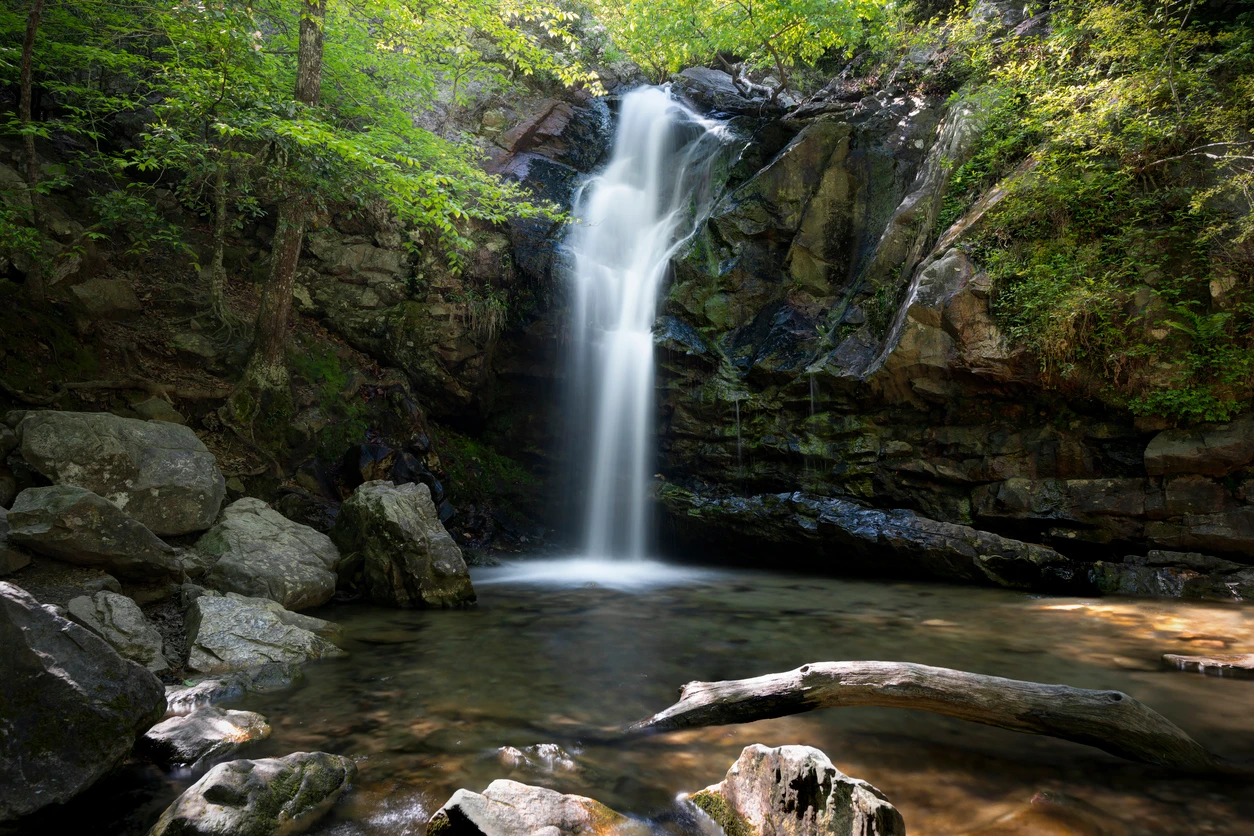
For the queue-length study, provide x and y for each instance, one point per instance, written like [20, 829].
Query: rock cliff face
[819, 336]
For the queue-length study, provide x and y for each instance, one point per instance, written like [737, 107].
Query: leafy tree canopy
[665, 36]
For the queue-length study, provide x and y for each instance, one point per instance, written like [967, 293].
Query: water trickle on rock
[630, 221]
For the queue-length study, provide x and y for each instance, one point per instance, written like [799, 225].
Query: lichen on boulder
[796, 791]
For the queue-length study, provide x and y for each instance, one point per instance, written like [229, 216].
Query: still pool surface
[568, 655]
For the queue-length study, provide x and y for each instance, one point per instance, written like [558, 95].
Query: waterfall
[629, 221]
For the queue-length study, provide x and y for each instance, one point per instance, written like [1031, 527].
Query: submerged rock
[393, 536]
[227, 634]
[796, 791]
[159, 473]
[205, 735]
[507, 808]
[119, 621]
[266, 797]
[539, 757]
[227, 687]
[70, 707]
[75, 525]
[258, 552]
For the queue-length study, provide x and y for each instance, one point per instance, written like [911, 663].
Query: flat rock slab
[1233, 665]
[76, 525]
[227, 634]
[205, 735]
[159, 473]
[70, 707]
[796, 791]
[508, 808]
[119, 621]
[266, 797]
[258, 552]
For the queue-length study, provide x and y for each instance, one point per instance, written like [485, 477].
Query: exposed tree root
[1109, 720]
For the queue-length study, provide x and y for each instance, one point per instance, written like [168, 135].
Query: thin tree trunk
[1109, 720]
[35, 277]
[219, 306]
[267, 367]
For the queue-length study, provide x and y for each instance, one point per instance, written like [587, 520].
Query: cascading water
[630, 220]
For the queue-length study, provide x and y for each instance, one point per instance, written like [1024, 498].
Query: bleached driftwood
[1109, 720]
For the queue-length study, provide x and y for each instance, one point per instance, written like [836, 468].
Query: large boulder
[75, 525]
[11, 557]
[119, 621]
[257, 551]
[796, 791]
[508, 808]
[159, 473]
[70, 707]
[266, 797]
[228, 634]
[406, 558]
[205, 735]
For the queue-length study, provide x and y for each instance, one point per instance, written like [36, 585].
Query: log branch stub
[1108, 720]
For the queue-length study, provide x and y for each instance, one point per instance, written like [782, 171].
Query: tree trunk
[1110, 720]
[219, 306]
[266, 374]
[35, 277]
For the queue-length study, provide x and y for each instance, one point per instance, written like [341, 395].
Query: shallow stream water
[427, 697]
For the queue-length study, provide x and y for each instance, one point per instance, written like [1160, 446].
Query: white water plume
[630, 221]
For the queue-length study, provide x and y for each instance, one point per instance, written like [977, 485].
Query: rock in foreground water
[204, 735]
[159, 473]
[77, 526]
[256, 551]
[70, 707]
[796, 791]
[228, 634]
[507, 808]
[266, 797]
[119, 621]
[394, 537]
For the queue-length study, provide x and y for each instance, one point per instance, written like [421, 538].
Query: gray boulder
[11, 557]
[157, 472]
[266, 797]
[205, 735]
[75, 525]
[394, 537]
[508, 808]
[227, 634]
[258, 552]
[70, 707]
[796, 791]
[119, 621]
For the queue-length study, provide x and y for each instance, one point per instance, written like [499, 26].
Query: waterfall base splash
[610, 573]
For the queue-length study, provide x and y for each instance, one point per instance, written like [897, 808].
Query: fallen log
[1109, 720]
